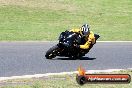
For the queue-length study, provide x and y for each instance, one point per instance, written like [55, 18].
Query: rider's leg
[85, 51]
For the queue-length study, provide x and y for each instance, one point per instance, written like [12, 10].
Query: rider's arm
[91, 40]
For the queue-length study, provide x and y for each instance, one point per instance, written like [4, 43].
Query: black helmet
[85, 29]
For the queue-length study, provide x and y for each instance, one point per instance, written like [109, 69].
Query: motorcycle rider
[87, 36]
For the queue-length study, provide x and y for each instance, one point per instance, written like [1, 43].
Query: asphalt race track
[28, 58]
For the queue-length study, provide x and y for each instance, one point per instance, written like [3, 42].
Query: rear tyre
[75, 57]
[52, 52]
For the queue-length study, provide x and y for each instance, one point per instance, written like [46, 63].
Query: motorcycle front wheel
[52, 52]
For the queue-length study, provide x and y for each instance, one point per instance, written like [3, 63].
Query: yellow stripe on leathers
[76, 30]
[90, 38]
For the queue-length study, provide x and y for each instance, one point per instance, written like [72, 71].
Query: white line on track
[61, 73]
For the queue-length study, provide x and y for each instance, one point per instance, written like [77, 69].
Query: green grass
[61, 81]
[22, 20]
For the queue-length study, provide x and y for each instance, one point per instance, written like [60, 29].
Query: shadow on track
[67, 58]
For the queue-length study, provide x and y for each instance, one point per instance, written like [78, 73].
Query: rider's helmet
[85, 29]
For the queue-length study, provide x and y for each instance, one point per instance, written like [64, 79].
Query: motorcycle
[66, 46]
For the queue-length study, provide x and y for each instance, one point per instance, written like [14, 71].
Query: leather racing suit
[90, 39]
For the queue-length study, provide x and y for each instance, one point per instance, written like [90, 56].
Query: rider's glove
[77, 46]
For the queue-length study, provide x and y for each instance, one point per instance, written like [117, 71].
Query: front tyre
[52, 52]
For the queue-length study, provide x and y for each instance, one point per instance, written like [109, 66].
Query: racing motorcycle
[66, 46]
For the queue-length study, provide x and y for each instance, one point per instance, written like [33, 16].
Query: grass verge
[22, 20]
[60, 81]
